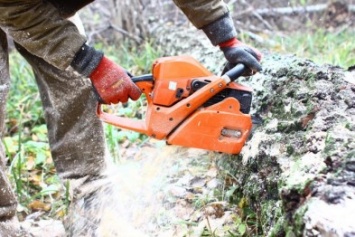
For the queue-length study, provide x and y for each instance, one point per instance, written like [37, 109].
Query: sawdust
[154, 194]
[350, 77]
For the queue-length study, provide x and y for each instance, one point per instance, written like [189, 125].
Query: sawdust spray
[134, 204]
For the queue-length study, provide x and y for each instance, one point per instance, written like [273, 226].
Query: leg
[8, 223]
[75, 133]
[78, 149]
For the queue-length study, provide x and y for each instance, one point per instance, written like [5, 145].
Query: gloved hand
[221, 32]
[110, 81]
[237, 52]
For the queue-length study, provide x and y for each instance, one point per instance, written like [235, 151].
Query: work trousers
[75, 133]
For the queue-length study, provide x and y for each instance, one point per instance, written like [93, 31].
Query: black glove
[222, 33]
[237, 52]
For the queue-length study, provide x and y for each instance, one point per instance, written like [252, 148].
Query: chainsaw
[189, 106]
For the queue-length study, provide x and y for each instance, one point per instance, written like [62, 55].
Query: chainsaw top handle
[235, 72]
[232, 74]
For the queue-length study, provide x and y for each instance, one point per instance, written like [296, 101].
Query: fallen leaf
[30, 163]
[37, 205]
[61, 213]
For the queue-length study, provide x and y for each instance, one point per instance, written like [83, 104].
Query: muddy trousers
[7, 197]
[8, 203]
[75, 133]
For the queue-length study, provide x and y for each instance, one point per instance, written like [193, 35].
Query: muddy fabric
[220, 30]
[68, 8]
[4, 82]
[75, 133]
[8, 202]
[4, 77]
[7, 198]
[202, 12]
[38, 26]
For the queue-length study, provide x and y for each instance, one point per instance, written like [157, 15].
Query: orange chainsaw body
[180, 115]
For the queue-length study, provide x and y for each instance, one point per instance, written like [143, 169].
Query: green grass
[137, 60]
[24, 103]
[322, 47]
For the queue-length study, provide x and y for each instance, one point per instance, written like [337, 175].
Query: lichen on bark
[306, 145]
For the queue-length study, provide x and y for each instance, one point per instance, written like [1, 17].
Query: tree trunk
[297, 172]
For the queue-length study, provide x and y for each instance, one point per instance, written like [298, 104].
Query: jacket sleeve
[38, 27]
[202, 12]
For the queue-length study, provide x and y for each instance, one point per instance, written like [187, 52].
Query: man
[71, 78]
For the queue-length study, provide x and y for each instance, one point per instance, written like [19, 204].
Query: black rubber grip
[235, 72]
[146, 77]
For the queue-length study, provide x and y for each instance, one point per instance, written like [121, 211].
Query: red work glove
[238, 52]
[112, 83]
